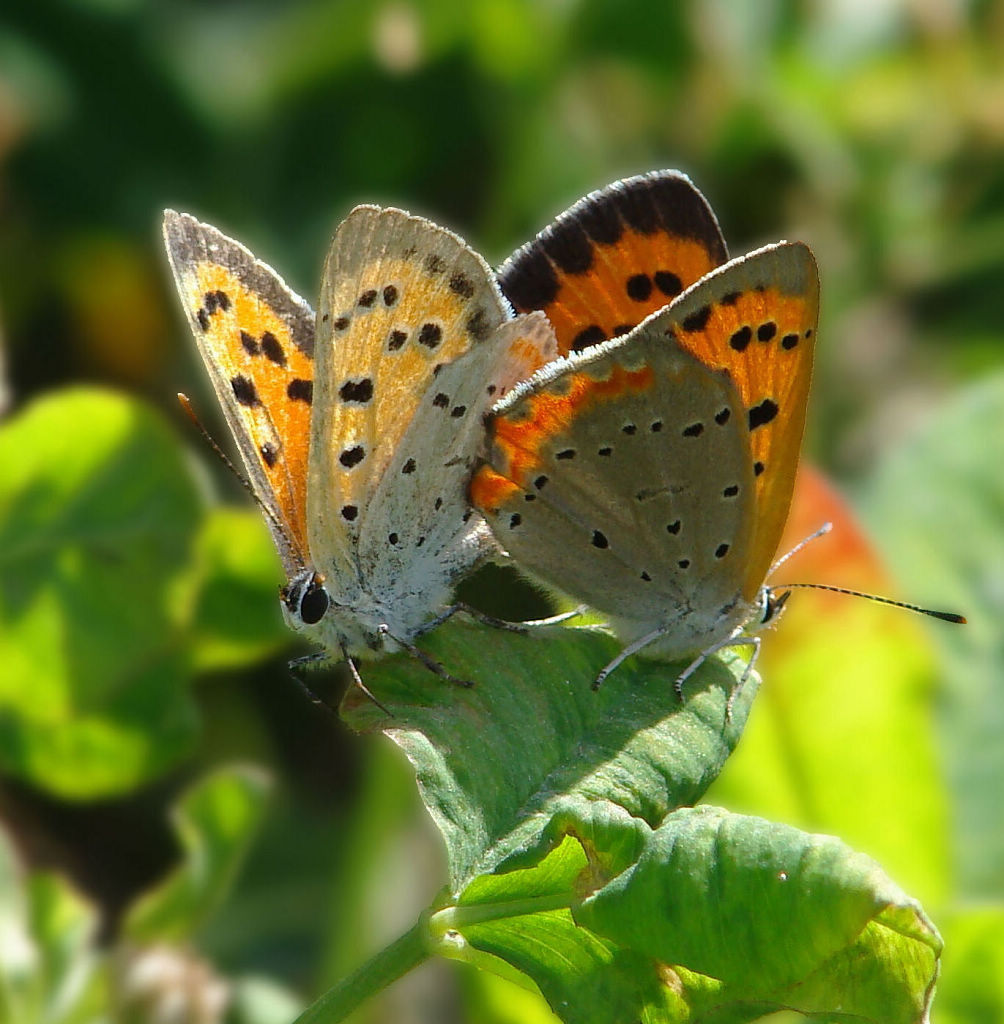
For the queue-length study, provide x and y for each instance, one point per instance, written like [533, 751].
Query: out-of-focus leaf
[972, 985]
[495, 1000]
[216, 821]
[936, 505]
[98, 509]
[237, 619]
[257, 1000]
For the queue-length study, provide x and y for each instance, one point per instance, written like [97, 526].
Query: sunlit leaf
[492, 759]
[98, 510]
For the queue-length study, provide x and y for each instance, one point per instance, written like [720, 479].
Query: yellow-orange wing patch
[401, 298]
[614, 257]
[256, 337]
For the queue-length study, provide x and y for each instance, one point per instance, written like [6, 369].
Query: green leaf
[779, 918]
[717, 917]
[936, 508]
[519, 926]
[237, 620]
[216, 821]
[494, 761]
[98, 509]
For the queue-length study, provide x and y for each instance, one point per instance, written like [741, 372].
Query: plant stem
[456, 918]
[388, 965]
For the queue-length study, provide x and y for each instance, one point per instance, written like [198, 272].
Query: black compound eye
[773, 604]
[313, 604]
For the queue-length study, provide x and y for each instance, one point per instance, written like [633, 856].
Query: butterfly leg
[297, 664]
[632, 648]
[460, 606]
[322, 656]
[496, 623]
[358, 680]
[430, 663]
[734, 639]
[754, 641]
[554, 620]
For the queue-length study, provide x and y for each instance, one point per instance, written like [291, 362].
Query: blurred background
[873, 130]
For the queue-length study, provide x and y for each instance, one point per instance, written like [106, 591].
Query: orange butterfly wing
[256, 337]
[614, 257]
[762, 332]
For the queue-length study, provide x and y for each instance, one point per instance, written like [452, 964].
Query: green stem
[388, 965]
[457, 918]
[429, 935]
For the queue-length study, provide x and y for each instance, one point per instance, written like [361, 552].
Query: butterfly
[358, 427]
[649, 472]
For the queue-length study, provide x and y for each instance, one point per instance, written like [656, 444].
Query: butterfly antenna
[822, 531]
[186, 404]
[944, 616]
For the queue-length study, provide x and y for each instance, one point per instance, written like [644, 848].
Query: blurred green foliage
[873, 132]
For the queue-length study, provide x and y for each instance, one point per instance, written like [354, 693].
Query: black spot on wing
[358, 391]
[591, 335]
[639, 287]
[272, 349]
[351, 457]
[462, 285]
[668, 283]
[244, 391]
[762, 413]
[478, 326]
[430, 335]
[697, 320]
[741, 338]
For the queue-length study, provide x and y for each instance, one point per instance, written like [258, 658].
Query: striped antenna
[944, 616]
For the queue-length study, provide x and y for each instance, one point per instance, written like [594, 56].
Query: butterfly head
[771, 604]
[304, 599]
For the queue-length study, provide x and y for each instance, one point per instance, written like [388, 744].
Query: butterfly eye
[313, 604]
[772, 605]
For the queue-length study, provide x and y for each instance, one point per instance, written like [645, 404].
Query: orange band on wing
[490, 490]
[547, 414]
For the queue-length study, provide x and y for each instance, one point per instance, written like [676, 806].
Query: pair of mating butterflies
[642, 436]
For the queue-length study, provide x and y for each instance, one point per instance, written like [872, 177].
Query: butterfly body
[358, 428]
